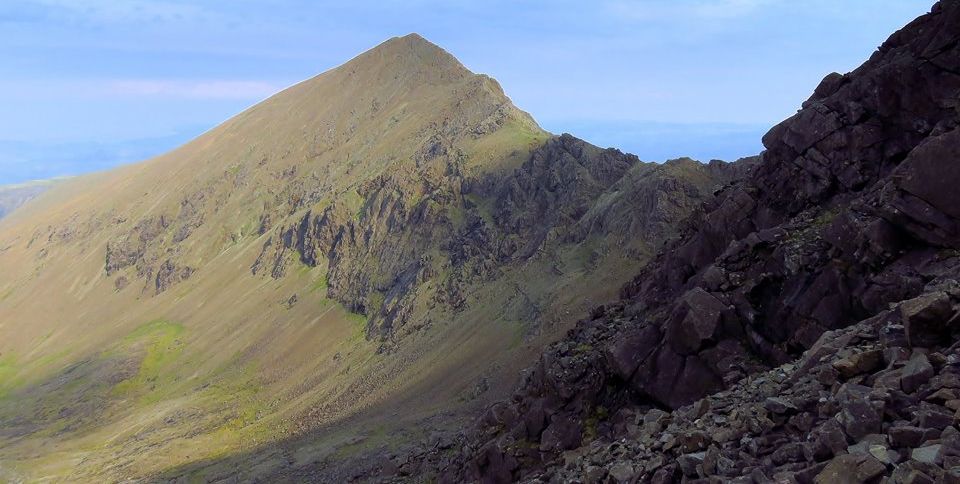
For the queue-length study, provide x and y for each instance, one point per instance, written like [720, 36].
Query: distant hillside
[350, 266]
[13, 196]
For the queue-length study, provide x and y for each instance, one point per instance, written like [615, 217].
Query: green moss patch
[8, 374]
[162, 345]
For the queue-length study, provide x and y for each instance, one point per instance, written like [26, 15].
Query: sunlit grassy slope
[177, 353]
[107, 381]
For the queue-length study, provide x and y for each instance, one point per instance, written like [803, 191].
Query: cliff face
[849, 212]
[434, 236]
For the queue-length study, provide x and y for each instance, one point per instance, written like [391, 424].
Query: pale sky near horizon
[88, 84]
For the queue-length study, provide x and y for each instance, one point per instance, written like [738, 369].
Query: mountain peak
[407, 83]
[415, 42]
[414, 38]
[411, 54]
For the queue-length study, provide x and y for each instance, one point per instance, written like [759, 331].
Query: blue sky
[88, 84]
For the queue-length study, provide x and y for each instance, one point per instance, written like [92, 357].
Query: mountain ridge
[391, 234]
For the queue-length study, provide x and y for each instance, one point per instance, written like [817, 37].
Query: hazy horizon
[91, 84]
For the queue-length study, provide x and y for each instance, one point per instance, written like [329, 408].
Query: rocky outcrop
[153, 239]
[170, 274]
[848, 211]
[132, 249]
[809, 242]
[440, 224]
[861, 403]
[554, 189]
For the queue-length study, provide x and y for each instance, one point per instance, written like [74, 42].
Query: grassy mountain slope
[366, 250]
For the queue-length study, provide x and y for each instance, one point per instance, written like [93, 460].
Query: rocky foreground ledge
[874, 402]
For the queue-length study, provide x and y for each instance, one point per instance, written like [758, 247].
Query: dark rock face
[169, 274]
[790, 424]
[850, 211]
[132, 249]
[153, 239]
[444, 226]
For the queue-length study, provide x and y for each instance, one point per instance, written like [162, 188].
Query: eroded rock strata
[456, 230]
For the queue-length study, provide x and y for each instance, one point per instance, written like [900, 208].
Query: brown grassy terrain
[135, 340]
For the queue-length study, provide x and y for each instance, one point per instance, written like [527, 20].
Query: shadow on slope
[355, 447]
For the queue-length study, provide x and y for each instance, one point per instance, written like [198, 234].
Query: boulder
[850, 469]
[696, 319]
[925, 318]
[859, 363]
[625, 354]
[563, 433]
[916, 372]
[907, 436]
[827, 440]
[929, 416]
[688, 463]
[858, 415]
[622, 472]
[779, 405]
[930, 454]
